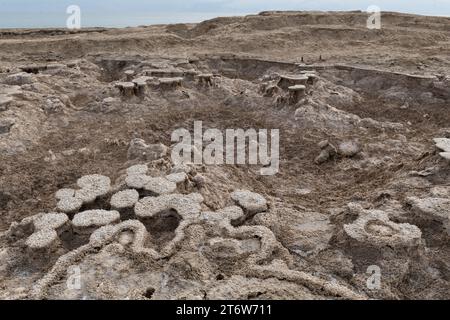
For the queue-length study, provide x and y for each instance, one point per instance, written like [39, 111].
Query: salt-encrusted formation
[140, 87]
[251, 202]
[137, 178]
[55, 221]
[431, 208]
[304, 232]
[5, 101]
[64, 193]
[97, 184]
[141, 84]
[137, 169]
[170, 83]
[143, 79]
[224, 218]
[69, 205]
[91, 187]
[278, 269]
[201, 249]
[296, 93]
[244, 250]
[19, 79]
[312, 77]
[443, 144]
[371, 238]
[205, 79]
[160, 185]
[98, 239]
[124, 199]
[178, 177]
[433, 216]
[187, 206]
[286, 81]
[190, 75]
[129, 74]
[126, 89]
[137, 181]
[87, 221]
[268, 244]
[41, 239]
[85, 195]
[183, 167]
[46, 229]
[374, 228]
[134, 86]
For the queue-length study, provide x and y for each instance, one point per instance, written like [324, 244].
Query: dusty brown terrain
[362, 183]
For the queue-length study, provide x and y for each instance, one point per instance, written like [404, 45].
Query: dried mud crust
[361, 180]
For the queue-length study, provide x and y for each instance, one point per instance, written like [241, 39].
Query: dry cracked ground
[92, 206]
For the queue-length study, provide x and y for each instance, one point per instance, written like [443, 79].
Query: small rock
[327, 153]
[349, 148]
[138, 149]
[5, 125]
[199, 180]
[323, 144]
[322, 157]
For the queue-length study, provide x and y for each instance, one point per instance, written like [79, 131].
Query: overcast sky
[42, 13]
